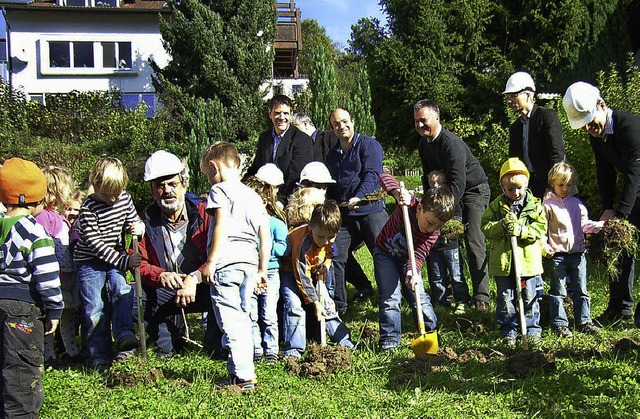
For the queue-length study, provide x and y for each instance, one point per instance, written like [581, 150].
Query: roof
[125, 6]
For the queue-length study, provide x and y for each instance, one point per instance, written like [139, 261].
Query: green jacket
[529, 252]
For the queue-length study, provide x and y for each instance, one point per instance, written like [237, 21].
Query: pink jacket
[567, 221]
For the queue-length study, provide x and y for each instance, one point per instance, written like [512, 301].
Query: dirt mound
[371, 331]
[320, 362]
[617, 238]
[406, 369]
[126, 374]
[524, 363]
[472, 355]
[625, 345]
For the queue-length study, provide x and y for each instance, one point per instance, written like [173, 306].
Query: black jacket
[294, 152]
[324, 141]
[546, 146]
[619, 152]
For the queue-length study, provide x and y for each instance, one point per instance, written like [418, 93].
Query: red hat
[21, 182]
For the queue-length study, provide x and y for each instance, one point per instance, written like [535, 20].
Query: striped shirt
[392, 238]
[28, 266]
[101, 228]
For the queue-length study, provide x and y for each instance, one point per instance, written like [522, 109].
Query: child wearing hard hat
[29, 282]
[516, 213]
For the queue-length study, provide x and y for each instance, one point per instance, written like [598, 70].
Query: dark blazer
[546, 146]
[324, 141]
[294, 152]
[619, 152]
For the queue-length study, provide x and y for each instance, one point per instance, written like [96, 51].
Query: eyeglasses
[513, 96]
[165, 186]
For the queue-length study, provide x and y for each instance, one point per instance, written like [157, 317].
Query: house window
[37, 98]
[296, 88]
[59, 54]
[3, 50]
[82, 54]
[116, 54]
[132, 100]
[91, 3]
[77, 3]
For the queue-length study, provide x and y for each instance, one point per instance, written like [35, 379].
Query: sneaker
[460, 309]
[122, 355]
[562, 331]
[127, 343]
[482, 306]
[235, 381]
[362, 293]
[270, 359]
[590, 329]
[510, 341]
[611, 317]
[257, 358]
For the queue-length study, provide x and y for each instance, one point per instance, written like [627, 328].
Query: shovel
[320, 288]
[141, 329]
[426, 343]
[516, 269]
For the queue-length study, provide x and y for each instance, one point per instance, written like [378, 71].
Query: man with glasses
[615, 141]
[173, 250]
[535, 137]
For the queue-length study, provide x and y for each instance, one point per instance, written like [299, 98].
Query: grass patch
[590, 376]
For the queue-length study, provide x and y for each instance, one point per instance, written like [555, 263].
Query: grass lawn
[580, 377]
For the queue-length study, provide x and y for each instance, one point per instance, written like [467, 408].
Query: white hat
[269, 173]
[580, 103]
[518, 82]
[161, 164]
[316, 172]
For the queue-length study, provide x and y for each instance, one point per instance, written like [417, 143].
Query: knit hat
[21, 182]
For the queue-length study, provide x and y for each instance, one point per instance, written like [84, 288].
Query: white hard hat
[269, 173]
[316, 172]
[518, 82]
[580, 103]
[160, 164]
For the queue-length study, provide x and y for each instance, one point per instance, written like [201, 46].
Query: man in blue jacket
[355, 163]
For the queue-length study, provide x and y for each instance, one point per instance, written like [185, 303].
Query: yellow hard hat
[514, 166]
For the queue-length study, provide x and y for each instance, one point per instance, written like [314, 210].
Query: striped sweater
[28, 267]
[392, 238]
[101, 228]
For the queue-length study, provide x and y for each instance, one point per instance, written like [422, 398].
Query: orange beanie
[21, 182]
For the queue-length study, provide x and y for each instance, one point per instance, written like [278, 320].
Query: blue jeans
[443, 267]
[355, 230]
[571, 266]
[390, 278]
[100, 282]
[264, 309]
[294, 327]
[231, 299]
[506, 314]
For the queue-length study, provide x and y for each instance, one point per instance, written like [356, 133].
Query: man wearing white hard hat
[173, 250]
[615, 141]
[535, 137]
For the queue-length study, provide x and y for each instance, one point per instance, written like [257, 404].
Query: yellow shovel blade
[425, 344]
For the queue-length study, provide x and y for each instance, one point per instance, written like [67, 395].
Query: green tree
[221, 52]
[314, 37]
[359, 102]
[322, 84]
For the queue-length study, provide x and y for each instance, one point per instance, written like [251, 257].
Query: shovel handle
[136, 275]
[516, 270]
[412, 261]
[320, 288]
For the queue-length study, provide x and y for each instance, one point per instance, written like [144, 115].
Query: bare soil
[320, 362]
[522, 364]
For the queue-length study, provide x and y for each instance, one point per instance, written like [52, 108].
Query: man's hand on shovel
[410, 281]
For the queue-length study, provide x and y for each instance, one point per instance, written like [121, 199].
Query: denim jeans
[390, 278]
[355, 229]
[100, 282]
[231, 299]
[294, 327]
[571, 266]
[443, 267]
[264, 308]
[474, 202]
[506, 314]
[22, 358]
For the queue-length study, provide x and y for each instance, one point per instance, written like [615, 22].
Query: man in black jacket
[536, 136]
[615, 141]
[323, 141]
[442, 150]
[287, 147]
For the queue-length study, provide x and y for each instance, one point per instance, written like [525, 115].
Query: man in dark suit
[536, 136]
[615, 140]
[284, 145]
[323, 141]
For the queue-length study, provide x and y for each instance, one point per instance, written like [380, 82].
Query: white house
[56, 46]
